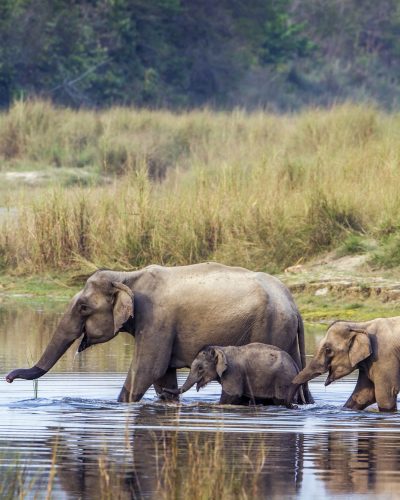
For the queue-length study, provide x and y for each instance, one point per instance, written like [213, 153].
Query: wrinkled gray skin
[373, 348]
[173, 312]
[248, 374]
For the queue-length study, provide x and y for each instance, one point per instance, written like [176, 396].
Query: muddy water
[77, 439]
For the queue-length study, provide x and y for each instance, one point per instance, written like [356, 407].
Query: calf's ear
[360, 347]
[221, 363]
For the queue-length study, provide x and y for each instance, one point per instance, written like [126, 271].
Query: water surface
[76, 430]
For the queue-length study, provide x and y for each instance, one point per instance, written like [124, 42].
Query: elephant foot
[126, 396]
[387, 410]
[307, 395]
[168, 397]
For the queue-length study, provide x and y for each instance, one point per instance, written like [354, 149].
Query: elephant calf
[252, 373]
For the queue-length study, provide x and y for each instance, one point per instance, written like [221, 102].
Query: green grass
[330, 308]
[56, 290]
[388, 253]
[51, 288]
[354, 244]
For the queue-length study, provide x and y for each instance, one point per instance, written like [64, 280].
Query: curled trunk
[68, 330]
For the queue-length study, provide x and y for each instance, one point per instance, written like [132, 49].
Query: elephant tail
[305, 391]
[301, 341]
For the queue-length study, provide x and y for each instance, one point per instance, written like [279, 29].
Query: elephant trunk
[68, 330]
[55, 349]
[308, 373]
[25, 373]
[189, 383]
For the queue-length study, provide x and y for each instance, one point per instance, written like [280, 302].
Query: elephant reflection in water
[149, 463]
[362, 463]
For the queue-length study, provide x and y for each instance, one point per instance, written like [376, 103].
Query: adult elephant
[173, 312]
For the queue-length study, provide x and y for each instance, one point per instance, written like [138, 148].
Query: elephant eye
[84, 309]
[200, 368]
[328, 350]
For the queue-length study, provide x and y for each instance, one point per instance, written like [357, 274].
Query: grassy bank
[258, 190]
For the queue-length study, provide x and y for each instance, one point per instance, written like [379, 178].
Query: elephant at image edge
[372, 347]
[173, 312]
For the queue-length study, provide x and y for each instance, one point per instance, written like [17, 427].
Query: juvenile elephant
[251, 373]
[173, 312]
[374, 348]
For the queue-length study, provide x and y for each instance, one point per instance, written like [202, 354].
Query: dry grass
[258, 190]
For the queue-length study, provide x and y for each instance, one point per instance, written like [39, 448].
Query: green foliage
[284, 39]
[185, 53]
[158, 53]
[388, 253]
[353, 244]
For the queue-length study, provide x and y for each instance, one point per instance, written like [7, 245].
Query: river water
[75, 441]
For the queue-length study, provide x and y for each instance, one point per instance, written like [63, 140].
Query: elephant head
[208, 365]
[98, 312]
[344, 346]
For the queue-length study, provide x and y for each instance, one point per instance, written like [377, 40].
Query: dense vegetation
[254, 189]
[184, 53]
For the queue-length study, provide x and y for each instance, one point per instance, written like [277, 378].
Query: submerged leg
[227, 399]
[149, 363]
[138, 380]
[168, 380]
[363, 394]
[386, 395]
[134, 386]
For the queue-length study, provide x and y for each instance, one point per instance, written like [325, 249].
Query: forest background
[280, 54]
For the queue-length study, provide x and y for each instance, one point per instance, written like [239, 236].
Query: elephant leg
[386, 395]
[227, 399]
[134, 387]
[150, 363]
[168, 380]
[363, 394]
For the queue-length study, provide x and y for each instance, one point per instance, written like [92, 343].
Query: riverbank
[323, 292]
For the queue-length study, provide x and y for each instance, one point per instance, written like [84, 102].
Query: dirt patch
[32, 178]
[344, 277]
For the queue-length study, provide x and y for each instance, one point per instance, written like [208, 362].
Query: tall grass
[258, 190]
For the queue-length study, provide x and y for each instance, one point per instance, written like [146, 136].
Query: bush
[353, 244]
[388, 253]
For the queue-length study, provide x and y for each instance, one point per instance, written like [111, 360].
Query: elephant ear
[220, 360]
[360, 347]
[123, 305]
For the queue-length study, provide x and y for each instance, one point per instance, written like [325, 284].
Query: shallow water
[95, 443]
